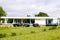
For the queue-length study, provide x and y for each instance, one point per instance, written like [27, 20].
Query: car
[26, 24]
[35, 24]
[17, 24]
[55, 24]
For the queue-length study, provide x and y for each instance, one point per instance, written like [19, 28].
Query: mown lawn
[30, 33]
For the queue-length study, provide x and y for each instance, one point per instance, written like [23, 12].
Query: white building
[39, 20]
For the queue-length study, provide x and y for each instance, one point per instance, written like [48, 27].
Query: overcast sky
[31, 7]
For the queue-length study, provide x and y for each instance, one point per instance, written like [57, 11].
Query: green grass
[30, 33]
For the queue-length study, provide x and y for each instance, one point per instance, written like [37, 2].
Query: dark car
[17, 24]
[26, 24]
[35, 24]
[55, 24]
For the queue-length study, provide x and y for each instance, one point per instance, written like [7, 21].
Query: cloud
[24, 7]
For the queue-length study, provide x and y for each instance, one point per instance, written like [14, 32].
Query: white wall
[40, 21]
[55, 21]
[43, 21]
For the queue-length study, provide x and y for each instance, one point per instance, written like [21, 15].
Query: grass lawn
[30, 33]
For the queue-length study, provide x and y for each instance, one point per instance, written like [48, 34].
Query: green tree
[42, 14]
[2, 12]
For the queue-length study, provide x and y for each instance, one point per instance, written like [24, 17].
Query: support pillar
[13, 21]
[21, 20]
[47, 21]
[30, 21]
[5, 22]
[58, 21]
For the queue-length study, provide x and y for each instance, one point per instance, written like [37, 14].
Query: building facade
[31, 20]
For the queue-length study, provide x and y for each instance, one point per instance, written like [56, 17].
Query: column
[46, 21]
[58, 21]
[13, 21]
[21, 20]
[30, 21]
[5, 22]
[1, 21]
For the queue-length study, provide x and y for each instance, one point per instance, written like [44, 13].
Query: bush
[2, 35]
[13, 34]
[44, 30]
[32, 31]
[58, 27]
[20, 33]
[58, 37]
[54, 27]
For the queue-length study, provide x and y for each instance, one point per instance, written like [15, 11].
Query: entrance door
[49, 21]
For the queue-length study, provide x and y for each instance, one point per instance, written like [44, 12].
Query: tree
[42, 14]
[2, 12]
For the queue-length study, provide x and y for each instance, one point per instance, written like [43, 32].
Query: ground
[30, 33]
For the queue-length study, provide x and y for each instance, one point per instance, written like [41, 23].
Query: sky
[21, 8]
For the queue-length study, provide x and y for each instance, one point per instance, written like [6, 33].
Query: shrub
[32, 31]
[13, 34]
[20, 33]
[44, 30]
[58, 37]
[58, 27]
[2, 35]
[54, 27]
